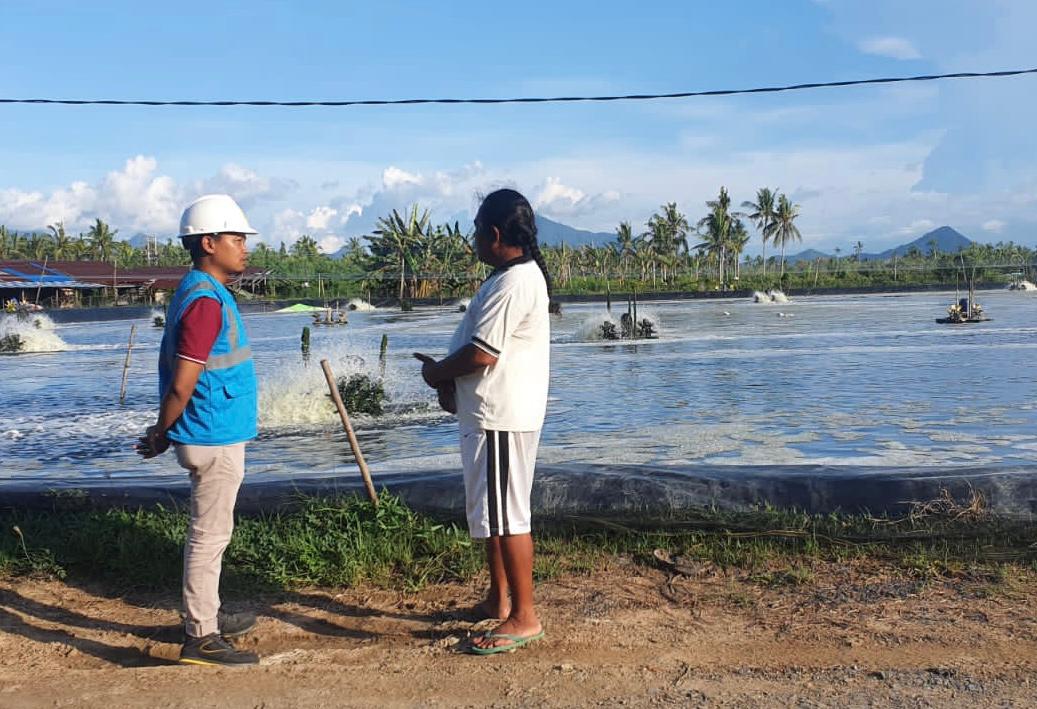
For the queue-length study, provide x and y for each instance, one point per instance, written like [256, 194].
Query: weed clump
[9, 344]
[362, 394]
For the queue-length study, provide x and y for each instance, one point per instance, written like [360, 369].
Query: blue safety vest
[222, 409]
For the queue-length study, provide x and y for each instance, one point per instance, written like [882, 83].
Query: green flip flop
[516, 641]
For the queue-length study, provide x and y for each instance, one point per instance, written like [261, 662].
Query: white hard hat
[214, 214]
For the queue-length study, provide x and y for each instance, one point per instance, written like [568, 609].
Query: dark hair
[513, 216]
[193, 244]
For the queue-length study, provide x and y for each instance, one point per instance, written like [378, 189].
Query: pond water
[855, 381]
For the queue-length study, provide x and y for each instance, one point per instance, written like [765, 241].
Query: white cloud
[918, 226]
[331, 243]
[393, 177]
[554, 192]
[323, 223]
[135, 198]
[869, 192]
[892, 47]
[320, 217]
[131, 199]
[245, 185]
[560, 200]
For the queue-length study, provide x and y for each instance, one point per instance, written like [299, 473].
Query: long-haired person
[496, 378]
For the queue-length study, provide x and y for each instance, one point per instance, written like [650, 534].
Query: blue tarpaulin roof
[53, 283]
[46, 277]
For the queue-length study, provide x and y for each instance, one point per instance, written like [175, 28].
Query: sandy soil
[626, 635]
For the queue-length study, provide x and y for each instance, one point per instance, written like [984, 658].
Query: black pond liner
[639, 493]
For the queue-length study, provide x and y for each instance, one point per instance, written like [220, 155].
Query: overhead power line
[526, 99]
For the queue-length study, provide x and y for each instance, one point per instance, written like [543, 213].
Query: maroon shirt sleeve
[199, 327]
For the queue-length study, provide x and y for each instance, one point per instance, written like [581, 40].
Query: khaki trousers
[216, 474]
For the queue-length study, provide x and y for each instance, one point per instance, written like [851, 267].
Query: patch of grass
[347, 541]
[794, 575]
[328, 542]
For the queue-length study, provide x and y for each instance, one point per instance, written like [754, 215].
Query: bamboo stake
[126, 365]
[635, 313]
[348, 428]
[39, 283]
[382, 353]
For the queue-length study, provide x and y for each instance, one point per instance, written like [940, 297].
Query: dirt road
[626, 635]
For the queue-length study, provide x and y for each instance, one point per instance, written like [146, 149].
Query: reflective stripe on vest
[237, 354]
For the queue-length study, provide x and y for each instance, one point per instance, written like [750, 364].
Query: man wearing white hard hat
[207, 386]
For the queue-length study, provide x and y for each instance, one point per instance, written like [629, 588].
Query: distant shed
[75, 283]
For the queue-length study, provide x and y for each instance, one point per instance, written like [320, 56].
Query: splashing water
[298, 395]
[771, 296]
[360, 305]
[1022, 285]
[35, 331]
[590, 330]
[462, 304]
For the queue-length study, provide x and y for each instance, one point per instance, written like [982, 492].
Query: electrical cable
[527, 99]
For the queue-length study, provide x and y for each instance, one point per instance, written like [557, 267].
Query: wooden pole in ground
[126, 364]
[348, 428]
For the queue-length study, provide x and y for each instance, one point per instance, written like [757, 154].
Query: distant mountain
[555, 233]
[808, 255]
[947, 240]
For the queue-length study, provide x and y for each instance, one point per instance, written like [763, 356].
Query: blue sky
[878, 164]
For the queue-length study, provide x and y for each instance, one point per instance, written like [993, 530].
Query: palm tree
[783, 229]
[738, 240]
[718, 225]
[39, 246]
[64, 246]
[305, 248]
[395, 238]
[102, 241]
[625, 243]
[762, 216]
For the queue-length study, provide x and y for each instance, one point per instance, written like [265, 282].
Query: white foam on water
[297, 394]
[360, 305]
[1022, 286]
[771, 296]
[36, 332]
[115, 423]
[590, 329]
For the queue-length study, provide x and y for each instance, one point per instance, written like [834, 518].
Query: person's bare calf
[516, 563]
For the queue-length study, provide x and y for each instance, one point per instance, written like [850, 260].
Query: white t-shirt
[507, 318]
